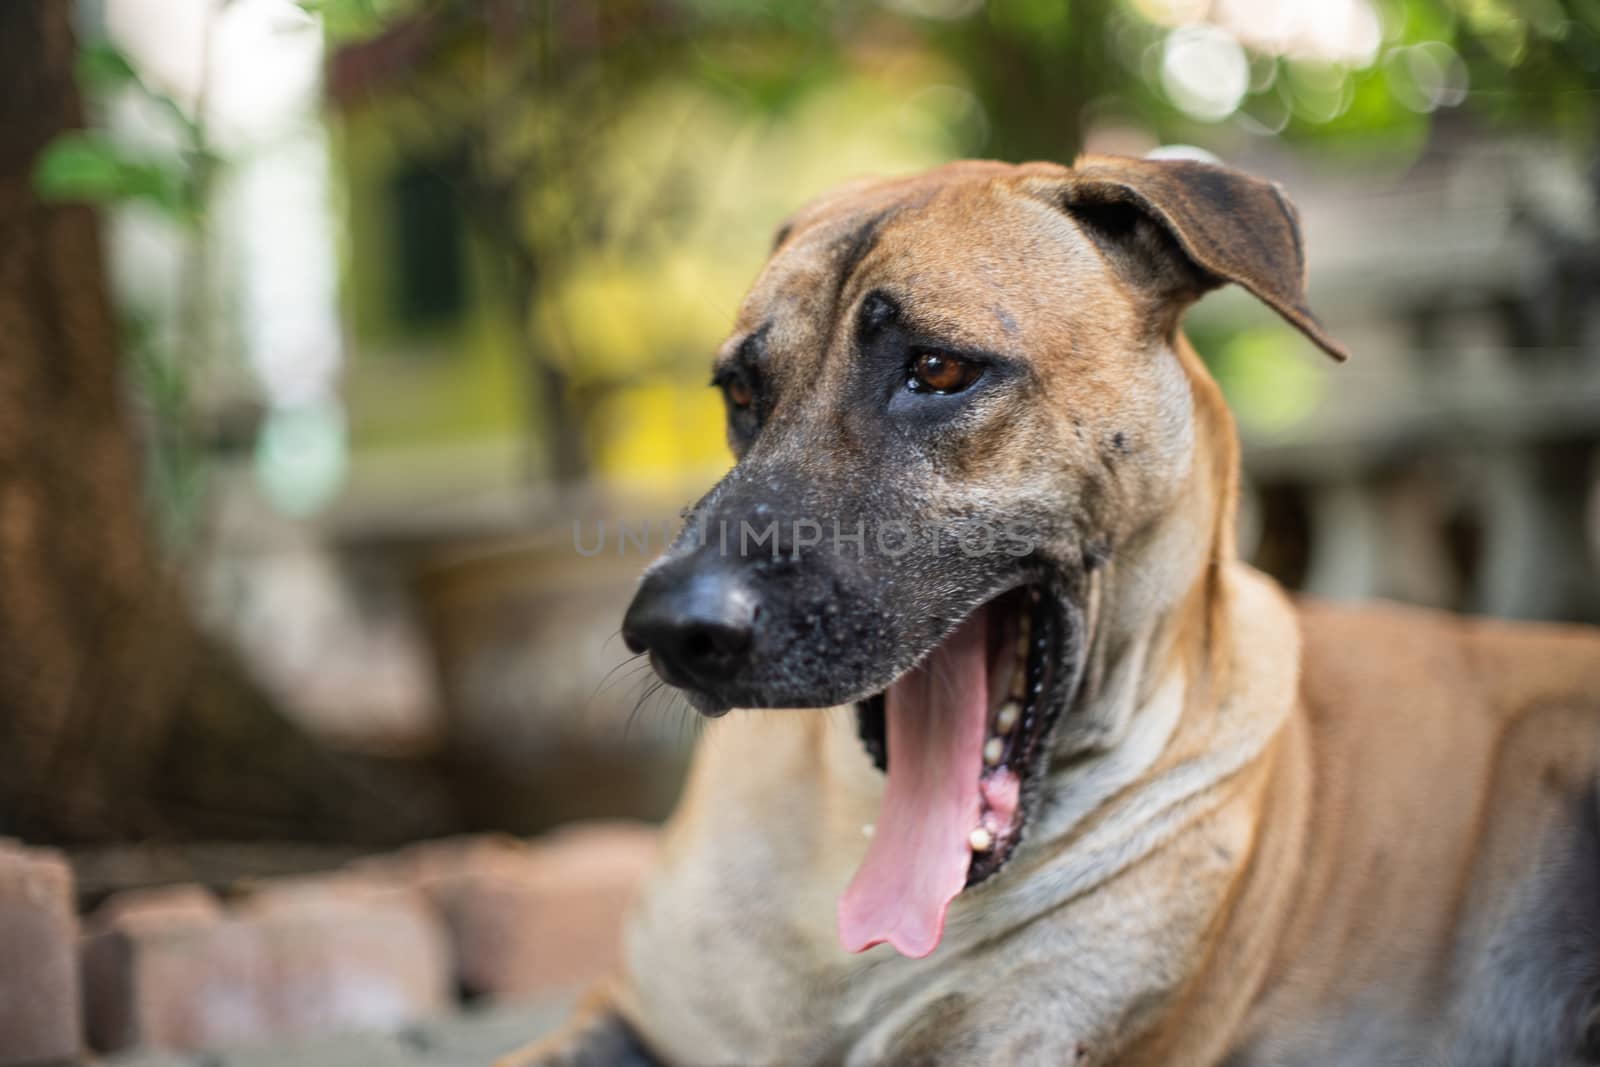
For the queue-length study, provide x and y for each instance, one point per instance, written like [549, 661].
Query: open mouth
[961, 738]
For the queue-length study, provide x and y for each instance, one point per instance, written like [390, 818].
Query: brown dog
[1137, 808]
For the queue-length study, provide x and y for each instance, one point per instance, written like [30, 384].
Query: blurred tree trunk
[1035, 75]
[117, 718]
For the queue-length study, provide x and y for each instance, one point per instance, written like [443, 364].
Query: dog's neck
[1161, 673]
[1156, 612]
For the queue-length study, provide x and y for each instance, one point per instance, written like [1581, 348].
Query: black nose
[696, 623]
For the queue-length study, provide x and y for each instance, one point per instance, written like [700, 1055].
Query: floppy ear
[1229, 226]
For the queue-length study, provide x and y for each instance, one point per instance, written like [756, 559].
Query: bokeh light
[1204, 71]
[1426, 76]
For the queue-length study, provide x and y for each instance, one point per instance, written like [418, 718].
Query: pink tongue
[918, 858]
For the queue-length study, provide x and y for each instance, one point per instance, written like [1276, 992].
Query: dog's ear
[1228, 226]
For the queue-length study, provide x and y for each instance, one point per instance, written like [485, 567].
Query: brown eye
[738, 392]
[940, 372]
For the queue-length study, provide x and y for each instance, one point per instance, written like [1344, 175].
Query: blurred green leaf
[344, 20]
[103, 69]
[79, 166]
[770, 74]
[88, 167]
[1269, 390]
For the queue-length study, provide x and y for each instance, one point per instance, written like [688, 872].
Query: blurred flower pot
[548, 718]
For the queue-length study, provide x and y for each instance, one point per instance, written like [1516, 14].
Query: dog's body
[1264, 834]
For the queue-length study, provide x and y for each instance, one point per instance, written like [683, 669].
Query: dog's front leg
[594, 1036]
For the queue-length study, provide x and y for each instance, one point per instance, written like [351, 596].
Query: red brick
[292, 959]
[40, 1010]
[165, 968]
[527, 920]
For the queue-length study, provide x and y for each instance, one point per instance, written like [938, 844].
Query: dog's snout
[697, 624]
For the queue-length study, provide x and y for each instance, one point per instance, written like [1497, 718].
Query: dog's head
[953, 397]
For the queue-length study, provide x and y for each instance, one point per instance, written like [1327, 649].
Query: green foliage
[1049, 71]
[345, 20]
[1269, 390]
[1528, 66]
[102, 69]
[90, 167]
[771, 74]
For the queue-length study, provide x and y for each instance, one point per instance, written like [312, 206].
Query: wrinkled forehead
[966, 251]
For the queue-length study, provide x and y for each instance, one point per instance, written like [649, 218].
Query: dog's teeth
[980, 840]
[867, 829]
[1006, 718]
[993, 749]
